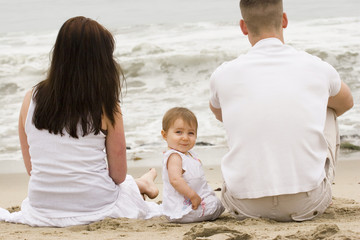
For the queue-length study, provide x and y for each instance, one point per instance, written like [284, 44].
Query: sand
[340, 221]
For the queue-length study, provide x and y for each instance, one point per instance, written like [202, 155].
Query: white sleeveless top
[70, 183]
[69, 176]
[175, 205]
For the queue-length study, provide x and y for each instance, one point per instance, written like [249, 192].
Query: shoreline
[210, 155]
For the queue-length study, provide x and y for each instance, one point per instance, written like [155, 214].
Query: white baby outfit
[70, 183]
[176, 207]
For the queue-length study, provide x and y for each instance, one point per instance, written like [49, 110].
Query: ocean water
[168, 49]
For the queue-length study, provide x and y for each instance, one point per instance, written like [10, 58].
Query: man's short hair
[262, 15]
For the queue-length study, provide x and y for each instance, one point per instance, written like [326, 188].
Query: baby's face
[180, 136]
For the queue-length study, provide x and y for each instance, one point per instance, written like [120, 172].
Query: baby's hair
[179, 112]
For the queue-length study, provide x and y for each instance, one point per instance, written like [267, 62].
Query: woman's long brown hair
[83, 81]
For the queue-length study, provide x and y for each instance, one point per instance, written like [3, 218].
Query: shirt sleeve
[335, 82]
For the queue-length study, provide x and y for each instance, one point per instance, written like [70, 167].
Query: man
[279, 109]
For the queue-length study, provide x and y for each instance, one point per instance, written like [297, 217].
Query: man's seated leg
[331, 133]
[284, 208]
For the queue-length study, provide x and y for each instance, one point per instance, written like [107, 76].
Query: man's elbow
[346, 106]
[349, 103]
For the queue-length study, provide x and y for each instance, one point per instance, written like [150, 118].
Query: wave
[167, 66]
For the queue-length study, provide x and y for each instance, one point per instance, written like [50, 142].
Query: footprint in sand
[323, 231]
[213, 231]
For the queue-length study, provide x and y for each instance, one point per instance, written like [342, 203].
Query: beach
[168, 50]
[340, 221]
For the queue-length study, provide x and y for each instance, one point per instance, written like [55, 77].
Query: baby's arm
[175, 171]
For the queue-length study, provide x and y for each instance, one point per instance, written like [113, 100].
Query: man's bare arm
[217, 112]
[343, 101]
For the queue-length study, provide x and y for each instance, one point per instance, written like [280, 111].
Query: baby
[186, 195]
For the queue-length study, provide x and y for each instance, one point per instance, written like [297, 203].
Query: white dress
[176, 207]
[70, 183]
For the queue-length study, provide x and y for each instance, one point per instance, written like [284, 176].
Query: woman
[65, 124]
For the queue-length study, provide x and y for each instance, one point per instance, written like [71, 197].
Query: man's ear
[284, 20]
[163, 133]
[243, 27]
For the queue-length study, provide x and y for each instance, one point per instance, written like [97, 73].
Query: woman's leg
[147, 185]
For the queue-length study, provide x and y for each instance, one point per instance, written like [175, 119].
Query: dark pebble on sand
[204, 144]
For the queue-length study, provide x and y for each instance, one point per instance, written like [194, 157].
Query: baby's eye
[178, 132]
[191, 133]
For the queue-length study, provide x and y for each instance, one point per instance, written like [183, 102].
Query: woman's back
[73, 180]
[69, 176]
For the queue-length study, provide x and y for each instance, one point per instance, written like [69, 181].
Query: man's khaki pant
[293, 207]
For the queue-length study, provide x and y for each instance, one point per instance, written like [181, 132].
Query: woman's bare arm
[22, 134]
[116, 148]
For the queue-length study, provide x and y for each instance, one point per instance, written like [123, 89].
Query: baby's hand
[195, 201]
